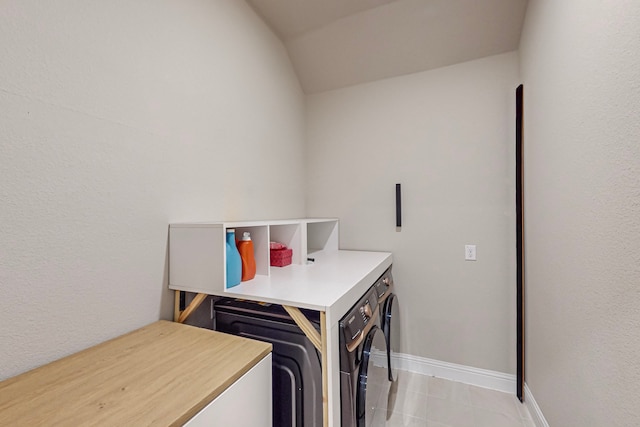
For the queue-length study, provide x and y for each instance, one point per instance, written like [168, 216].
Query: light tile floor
[419, 400]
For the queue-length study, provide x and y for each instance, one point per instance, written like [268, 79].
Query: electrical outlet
[470, 252]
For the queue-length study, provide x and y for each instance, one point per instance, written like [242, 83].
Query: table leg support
[181, 316]
[325, 374]
[176, 306]
[320, 343]
[306, 326]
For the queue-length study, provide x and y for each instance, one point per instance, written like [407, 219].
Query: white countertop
[333, 283]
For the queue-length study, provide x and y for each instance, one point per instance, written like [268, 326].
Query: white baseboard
[465, 374]
[534, 409]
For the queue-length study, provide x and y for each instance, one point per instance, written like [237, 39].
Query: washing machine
[364, 382]
[389, 318]
[296, 364]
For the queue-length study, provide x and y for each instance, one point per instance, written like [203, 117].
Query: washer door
[373, 384]
[391, 327]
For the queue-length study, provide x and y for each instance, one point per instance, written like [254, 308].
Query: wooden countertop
[161, 375]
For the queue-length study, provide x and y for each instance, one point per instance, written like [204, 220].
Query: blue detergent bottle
[234, 263]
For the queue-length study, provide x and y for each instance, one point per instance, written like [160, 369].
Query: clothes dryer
[389, 318]
[364, 386]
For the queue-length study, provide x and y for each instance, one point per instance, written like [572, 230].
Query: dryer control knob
[367, 310]
[386, 281]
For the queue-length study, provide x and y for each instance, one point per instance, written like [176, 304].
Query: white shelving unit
[330, 284]
[197, 256]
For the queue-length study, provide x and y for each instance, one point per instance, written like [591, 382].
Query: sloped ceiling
[337, 43]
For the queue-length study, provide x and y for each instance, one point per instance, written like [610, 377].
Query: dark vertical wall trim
[398, 206]
[520, 247]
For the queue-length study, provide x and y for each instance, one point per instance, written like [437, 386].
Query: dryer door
[373, 383]
[391, 327]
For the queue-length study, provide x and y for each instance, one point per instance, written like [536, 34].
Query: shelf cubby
[197, 255]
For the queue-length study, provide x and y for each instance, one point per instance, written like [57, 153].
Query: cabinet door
[246, 403]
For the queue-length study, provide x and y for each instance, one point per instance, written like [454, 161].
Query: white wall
[447, 136]
[117, 118]
[581, 74]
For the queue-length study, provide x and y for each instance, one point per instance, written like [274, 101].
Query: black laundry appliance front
[296, 364]
[389, 318]
[364, 382]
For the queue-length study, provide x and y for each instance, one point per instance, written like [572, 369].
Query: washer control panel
[354, 324]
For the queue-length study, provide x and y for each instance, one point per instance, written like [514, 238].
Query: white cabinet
[197, 256]
[163, 374]
[245, 403]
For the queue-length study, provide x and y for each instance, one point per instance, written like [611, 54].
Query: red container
[281, 257]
